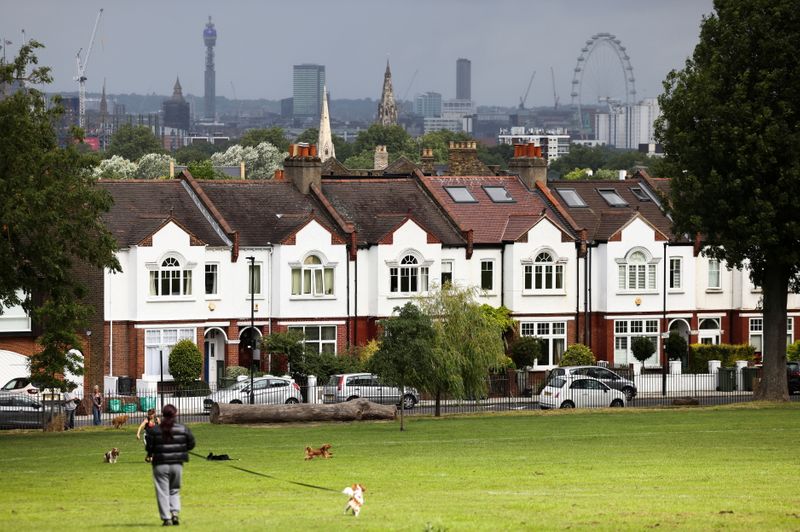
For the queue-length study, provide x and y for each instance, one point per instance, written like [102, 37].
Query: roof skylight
[571, 197]
[461, 195]
[640, 194]
[498, 194]
[612, 197]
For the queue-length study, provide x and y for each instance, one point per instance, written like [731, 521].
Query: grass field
[726, 467]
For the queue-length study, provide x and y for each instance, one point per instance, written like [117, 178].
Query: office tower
[210, 40]
[463, 79]
[309, 81]
[428, 105]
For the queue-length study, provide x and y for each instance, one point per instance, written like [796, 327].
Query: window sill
[213, 297]
[312, 298]
[170, 299]
[534, 293]
[256, 297]
[637, 292]
[713, 290]
[676, 291]
[404, 295]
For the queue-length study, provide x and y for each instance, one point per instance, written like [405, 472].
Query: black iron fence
[515, 390]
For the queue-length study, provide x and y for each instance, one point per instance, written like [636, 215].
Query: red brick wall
[19, 344]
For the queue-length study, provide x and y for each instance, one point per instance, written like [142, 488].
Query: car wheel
[628, 391]
[409, 401]
[292, 401]
[567, 404]
[617, 403]
[236, 402]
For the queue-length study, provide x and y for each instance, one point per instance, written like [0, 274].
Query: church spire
[325, 146]
[177, 91]
[387, 110]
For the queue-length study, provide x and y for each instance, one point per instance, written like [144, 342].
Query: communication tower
[210, 40]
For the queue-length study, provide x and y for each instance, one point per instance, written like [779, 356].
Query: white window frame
[714, 275]
[254, 276]
[676, 273]
[447, 269]
[756, 333]
[552, 333]
[635, 275]
[172, 274]
[545, 274]
[412, 271]
[313, 279]
[624, 333]
[491, 269]
[212, 270]
[326, 345]
[162, 341]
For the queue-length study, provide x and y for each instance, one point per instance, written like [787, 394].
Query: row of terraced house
[329, 251]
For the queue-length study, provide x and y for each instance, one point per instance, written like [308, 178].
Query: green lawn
[727, 467]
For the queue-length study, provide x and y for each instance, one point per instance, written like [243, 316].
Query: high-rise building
[309, 81]
[428, 105]
[176, 109]
[463, 79]
[387, 109]
[210, 40]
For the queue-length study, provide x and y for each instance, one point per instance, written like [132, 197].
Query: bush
[326, 364]
[676, 346]
[197, 388]
[642, 348]
[232, 372]
[793, 351]
[700, 354]
[185, 362]
[525, 350]
[577, 355]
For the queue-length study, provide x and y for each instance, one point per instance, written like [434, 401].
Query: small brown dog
[111, 456]
[324, 452]
[119, 421]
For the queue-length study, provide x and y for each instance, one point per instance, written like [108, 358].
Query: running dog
[119, 421]
[111, 456]
[356, 494]
[324, 452]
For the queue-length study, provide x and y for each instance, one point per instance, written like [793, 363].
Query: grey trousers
[167, 480]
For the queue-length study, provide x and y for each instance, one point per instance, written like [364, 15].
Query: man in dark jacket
[168, 446]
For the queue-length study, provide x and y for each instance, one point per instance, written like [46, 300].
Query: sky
[143, 45]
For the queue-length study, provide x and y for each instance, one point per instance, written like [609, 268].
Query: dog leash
[304, 484]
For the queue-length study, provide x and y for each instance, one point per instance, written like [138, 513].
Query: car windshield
[15, 384]
[557, 382]
[333, 380]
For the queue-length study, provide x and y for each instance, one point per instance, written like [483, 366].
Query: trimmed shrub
[700, 354]
[525, 350]
[676, 346]
[185, 362]
[232, 372]
[642, 348]
[577, 355]
[793, 351]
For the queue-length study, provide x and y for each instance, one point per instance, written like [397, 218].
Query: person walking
[97, 404]
[168, 444]
[71, 402]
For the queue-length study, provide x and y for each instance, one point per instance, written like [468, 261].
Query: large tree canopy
[51, 217]
[131, 142]
[730, 121]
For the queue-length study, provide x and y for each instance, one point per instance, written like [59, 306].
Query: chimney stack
[462, 159]
[381, 160]
[427, 161]
[529, 165]
[303, 167]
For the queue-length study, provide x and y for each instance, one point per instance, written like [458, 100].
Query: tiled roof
[602, 220]
[489, 220]
[265, 211]
[375, 206]
[142, 206]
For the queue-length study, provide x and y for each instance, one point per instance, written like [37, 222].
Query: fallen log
[356, 410]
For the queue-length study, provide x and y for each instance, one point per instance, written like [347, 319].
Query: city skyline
[259, 44]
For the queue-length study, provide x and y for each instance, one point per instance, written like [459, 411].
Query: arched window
[544, 273]
[312, 278]
[636, 273]
[170, 279]
[409, 277]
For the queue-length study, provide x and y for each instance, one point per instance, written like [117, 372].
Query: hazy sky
[142, 45]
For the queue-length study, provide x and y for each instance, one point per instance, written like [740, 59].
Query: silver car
[19, 411]
[349, 386]
[266, 390]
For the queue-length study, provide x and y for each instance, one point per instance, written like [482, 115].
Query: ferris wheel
[596, 78]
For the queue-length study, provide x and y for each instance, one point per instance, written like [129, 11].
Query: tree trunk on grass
[773, 385]
[356, 410]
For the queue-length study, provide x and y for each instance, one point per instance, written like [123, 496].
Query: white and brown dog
[356, 494]
[111, 456]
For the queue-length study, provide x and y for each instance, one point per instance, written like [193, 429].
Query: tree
[467, 344]
[274, 135]
[730, 121]
[525, 350]
[676, 346]
[153, 166]
[642, 348]
[406, 353]
[185, 363]
[202, 169]
[197, 152]
[260, 161]
[131, 142]
[51, 222]
[577, 355]
[309, 136]
[115, 167]
[395, 138]
[289, 343]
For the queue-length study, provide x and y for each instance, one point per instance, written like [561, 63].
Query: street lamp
[253, 348]
[161, 369]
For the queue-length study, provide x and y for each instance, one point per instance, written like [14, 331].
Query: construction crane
[80, 75]
[405, 94]
[523, 99]
[555, 94]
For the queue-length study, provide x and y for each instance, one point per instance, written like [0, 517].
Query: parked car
[348, 386]
[19, 411]
[266, 390]
[20, 385]
[604, 375]
[579, 392]
[793, 376]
